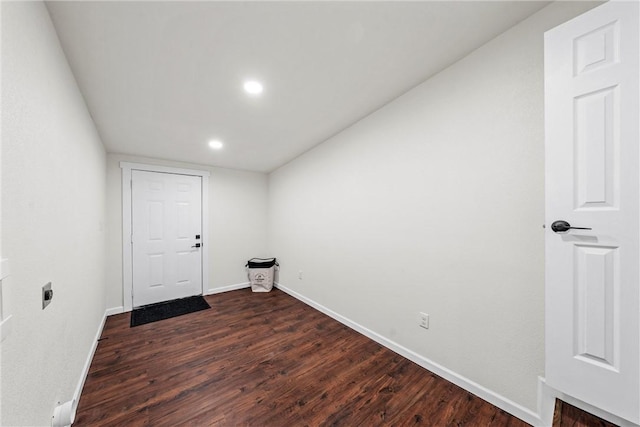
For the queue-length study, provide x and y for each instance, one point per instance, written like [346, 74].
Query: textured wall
[435, 203]
[53, 186]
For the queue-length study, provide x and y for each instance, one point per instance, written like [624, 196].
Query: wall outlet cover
[424, 320]
[47, 295]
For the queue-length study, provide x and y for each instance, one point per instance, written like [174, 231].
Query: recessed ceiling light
[253, 87]
[215, 144]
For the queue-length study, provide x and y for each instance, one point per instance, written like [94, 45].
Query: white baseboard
[87, 364]
[490, 396]
[114, 310]
[228, 288]
[546, 403]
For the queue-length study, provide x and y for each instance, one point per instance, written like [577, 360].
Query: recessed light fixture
[215, 144]
[253, 87]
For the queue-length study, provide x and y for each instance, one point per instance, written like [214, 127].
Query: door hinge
[132, 239]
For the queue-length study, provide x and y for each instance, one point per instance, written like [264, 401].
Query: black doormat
[165, 310]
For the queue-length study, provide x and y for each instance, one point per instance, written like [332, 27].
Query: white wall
[237, 222]
[1, 275]
[53, 186]
[435, 203]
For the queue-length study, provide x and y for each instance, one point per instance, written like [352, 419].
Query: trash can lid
[261, 262]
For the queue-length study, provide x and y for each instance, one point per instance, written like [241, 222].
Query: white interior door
[592, 180]
[166, 236]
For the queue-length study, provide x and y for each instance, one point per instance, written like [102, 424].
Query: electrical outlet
[47, 295]
[299, 274]
[424, 320]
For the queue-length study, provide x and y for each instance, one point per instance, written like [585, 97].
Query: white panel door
[592, 181]
[167, 226]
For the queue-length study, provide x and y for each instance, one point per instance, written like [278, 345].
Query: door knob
[197, 245]
[561, 226]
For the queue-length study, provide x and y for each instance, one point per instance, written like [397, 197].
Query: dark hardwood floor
[566, 415]
[264, 360]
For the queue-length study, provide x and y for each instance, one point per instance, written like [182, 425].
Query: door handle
[561, 226]
[197, 245]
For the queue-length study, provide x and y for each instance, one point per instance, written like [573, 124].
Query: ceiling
[161, 79]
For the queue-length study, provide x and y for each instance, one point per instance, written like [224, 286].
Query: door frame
[127, 231]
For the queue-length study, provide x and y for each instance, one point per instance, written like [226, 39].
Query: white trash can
[261, 273]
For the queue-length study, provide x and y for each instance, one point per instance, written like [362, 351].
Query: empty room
[317, 213]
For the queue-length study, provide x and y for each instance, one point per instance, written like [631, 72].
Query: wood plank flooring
[264, 360]
[566, 415]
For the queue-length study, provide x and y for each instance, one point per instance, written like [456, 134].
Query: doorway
[165, 246]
